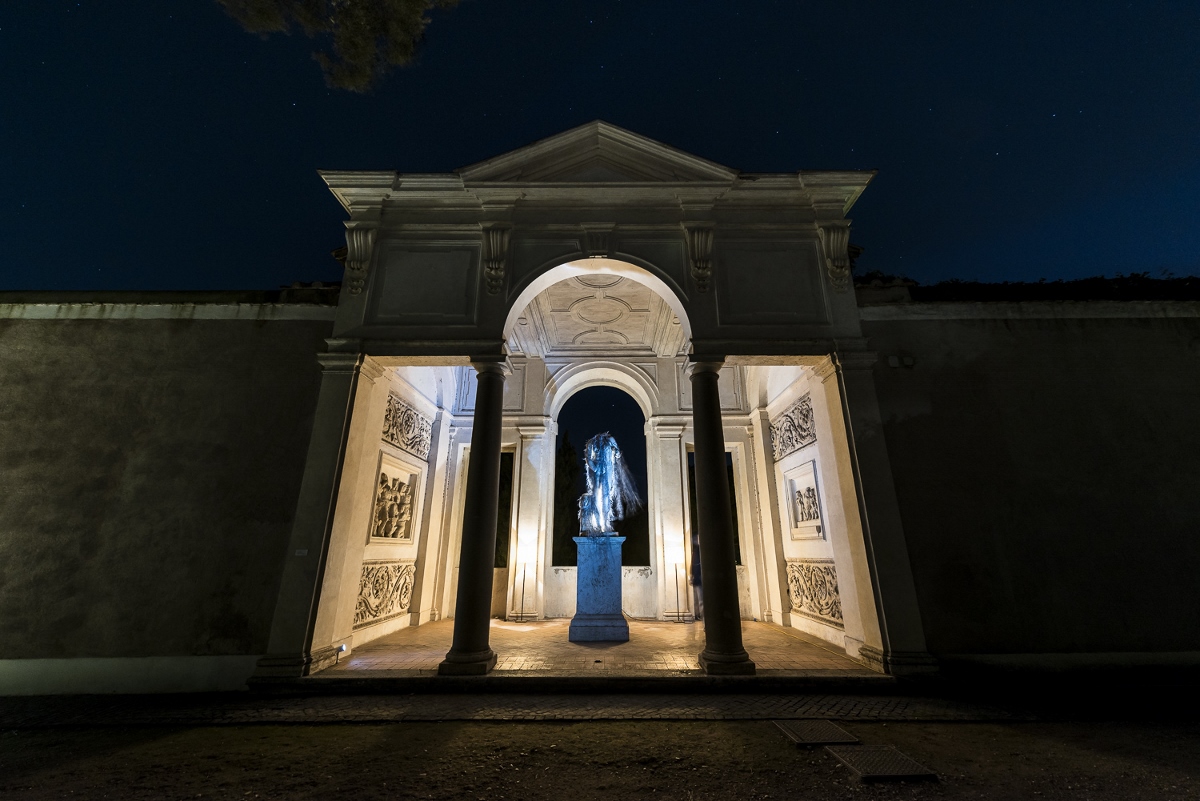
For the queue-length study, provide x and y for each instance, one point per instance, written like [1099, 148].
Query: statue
[611, 493]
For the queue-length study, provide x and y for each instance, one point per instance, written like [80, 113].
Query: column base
[476, 664]
[679, 617]
[598, 628]
[727, 664]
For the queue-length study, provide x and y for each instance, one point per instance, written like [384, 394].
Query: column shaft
[469, 652]
[723, 652]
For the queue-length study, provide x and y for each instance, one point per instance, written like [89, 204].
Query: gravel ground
[689, 760]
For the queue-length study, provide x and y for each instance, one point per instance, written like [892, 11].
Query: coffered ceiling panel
[596, 314]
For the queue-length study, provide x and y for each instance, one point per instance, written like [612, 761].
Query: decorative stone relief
[495, 256]
[804, 501]
[360, 239]
[794, 428]
[813, 590]
[406, 428]
[836, 239]
[392, 517]
[700, 244]
[384, 591]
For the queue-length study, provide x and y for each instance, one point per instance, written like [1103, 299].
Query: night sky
[151, 144]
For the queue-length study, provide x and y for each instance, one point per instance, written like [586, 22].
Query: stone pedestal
[598, 616]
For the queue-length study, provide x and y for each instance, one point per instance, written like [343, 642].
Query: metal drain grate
[873, 763]
[814, 732]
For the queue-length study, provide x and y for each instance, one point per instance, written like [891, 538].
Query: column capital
[492, 364]
[703, 364]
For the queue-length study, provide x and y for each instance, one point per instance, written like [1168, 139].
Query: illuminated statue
[611, 494]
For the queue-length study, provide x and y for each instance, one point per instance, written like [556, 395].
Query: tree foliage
[367, 38]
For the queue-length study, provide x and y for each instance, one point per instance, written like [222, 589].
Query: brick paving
[248, 708]
[542, 648]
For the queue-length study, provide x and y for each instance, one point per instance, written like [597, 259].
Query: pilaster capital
[824, 369]
[665, 429]
[855, 360]
[371, 370]
[339, 362]
[533, 430]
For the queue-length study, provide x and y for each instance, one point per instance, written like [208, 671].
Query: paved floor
[542, 648]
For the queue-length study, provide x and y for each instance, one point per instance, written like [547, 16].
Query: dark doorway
[694, 576]
[589, 412]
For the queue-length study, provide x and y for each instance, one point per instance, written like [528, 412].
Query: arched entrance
[719, 301]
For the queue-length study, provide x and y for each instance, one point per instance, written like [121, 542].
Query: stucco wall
[150, 474]
[1048, 474]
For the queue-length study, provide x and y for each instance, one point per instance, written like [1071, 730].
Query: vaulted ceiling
[595, 315]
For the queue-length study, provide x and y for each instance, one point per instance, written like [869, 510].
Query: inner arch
[584, 268]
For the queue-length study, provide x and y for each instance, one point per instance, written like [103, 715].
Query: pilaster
[669, 504]
[902, 649]
[290, 651]
[526, 583]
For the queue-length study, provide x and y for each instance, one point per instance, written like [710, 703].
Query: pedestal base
[598, 616]
[599, 628]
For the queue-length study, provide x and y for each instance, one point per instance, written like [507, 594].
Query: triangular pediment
[597, 153]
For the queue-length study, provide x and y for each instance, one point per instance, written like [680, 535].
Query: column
[901, 631]
[470, 654]
[289, 652]
[723, 653]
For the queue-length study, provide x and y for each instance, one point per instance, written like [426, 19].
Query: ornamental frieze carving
[406, 428]
[793, 429]
[384, 591]
[813, 590]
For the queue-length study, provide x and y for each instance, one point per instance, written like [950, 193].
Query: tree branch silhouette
[367, 38]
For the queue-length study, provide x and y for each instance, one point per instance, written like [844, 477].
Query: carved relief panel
[394, 510]
[384, 591]
[406, 428]
[804, 501]
[793, 429]
[813, 590]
